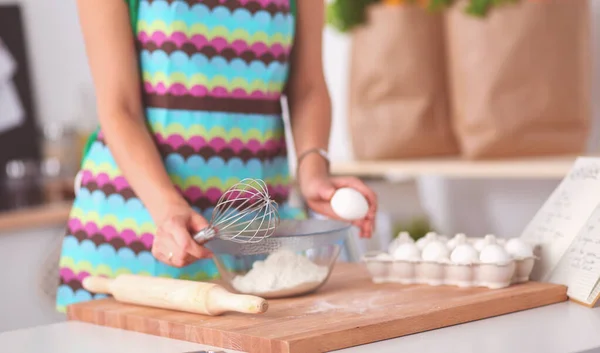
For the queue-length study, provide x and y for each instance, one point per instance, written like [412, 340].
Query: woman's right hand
[173, 242]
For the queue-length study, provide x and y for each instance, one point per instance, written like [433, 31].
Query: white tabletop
[559, 328]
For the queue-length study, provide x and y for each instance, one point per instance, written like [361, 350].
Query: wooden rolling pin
[190, 296]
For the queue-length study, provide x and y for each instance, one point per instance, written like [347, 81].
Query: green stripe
[293, 8]
[134, 6]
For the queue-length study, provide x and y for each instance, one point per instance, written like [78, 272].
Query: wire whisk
[245, 213]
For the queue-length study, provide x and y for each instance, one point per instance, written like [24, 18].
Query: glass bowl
[296, 260]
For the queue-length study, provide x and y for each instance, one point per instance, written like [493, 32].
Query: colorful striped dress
[213, 74]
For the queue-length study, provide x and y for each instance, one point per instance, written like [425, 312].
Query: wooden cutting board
[348, 311]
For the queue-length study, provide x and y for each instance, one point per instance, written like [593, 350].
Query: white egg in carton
[465, 262]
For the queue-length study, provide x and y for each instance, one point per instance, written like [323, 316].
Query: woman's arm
[308, 97]
[113, 62]
[310, 115]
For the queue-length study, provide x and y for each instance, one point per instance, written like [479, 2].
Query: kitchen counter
[52, 209]
[558, 328]
[35, 217]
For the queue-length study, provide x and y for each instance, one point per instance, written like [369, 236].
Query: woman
[208, 115]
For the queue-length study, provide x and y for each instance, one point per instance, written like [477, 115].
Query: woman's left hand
[318, 191]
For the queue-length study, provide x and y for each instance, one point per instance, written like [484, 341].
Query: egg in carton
[460, 261]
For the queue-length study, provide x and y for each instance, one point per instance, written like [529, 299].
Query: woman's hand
[173, 243]
[319, 190]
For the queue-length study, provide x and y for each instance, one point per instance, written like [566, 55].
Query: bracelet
[320, 151]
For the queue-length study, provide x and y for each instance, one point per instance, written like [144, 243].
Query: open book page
[579, 268]
[564, 214]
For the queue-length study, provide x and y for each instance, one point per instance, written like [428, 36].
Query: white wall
[56, 57]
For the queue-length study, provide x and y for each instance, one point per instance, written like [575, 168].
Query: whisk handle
[205, 235]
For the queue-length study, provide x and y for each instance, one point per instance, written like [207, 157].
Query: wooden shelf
[35, 217]
[526, 168]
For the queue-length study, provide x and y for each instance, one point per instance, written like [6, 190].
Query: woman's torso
[213, 72]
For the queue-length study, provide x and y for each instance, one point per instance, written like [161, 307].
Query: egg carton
[383, 268]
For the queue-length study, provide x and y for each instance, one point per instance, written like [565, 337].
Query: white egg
[435, 250]
[423, 241]
[481, 242]
[494, 254]
[464, 254]
[518, 248]
[407, 252]
[459, 238]
[403, 237]
[349, 204]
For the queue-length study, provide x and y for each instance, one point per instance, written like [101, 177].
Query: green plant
[417, 228]
[480, 8]
[344, 15]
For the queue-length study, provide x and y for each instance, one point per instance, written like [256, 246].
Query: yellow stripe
[113, 221]
[211, 33]
[198, 79]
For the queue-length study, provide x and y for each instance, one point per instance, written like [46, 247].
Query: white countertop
[559, 328]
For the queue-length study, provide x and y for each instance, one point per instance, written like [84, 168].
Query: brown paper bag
[398, 104]
[520, 79]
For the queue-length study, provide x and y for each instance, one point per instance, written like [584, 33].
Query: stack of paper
[567, 228]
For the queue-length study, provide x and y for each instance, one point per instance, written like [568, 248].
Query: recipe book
[567, 230]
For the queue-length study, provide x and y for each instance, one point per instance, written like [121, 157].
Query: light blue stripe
[260, 21]
[115, 205]
[227, 121]
[159, 61]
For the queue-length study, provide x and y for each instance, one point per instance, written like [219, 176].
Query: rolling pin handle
[98, 285]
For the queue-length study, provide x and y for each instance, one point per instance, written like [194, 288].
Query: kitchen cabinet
[26, 256]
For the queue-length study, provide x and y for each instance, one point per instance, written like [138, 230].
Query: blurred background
[463, 115]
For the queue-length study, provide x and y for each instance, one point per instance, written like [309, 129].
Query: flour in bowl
[282, 273]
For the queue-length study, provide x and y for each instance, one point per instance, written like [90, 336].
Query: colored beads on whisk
[245, 213]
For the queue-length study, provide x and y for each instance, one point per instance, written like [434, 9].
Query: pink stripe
[82, 275]
[175, 141]
[239, 46]
[178, 89]
[199, 91]
[127, 235]
[197, 142]
[102, 179]
[259, 48]
[219, 43]
[194, 193]
[179, 38]
[278, 190]
[66, 274]
[278, 49]
[199, 41]
[86, 177]
[263, 3]
[109, 232]
[220, 92]
[147, 239]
